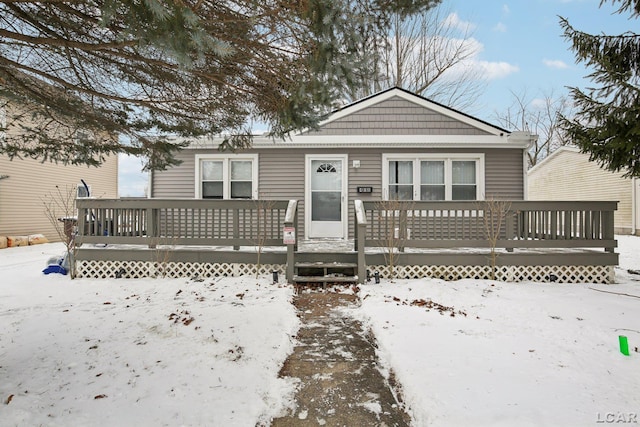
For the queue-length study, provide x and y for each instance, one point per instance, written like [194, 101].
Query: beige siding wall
[569, 175]
[21, 194]
[282, 173]
[397, 116]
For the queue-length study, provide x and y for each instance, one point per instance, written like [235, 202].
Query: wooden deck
[401, 239]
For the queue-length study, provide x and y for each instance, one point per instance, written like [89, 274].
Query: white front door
[326, 204]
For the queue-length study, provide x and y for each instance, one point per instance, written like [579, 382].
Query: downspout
[526, 141]
[150, 185]
[634, 207]
[525, 165]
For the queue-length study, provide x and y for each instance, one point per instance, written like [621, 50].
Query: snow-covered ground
[151, 352]
[140, 352]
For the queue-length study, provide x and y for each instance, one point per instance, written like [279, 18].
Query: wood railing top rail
[514, 205]
[178, 203]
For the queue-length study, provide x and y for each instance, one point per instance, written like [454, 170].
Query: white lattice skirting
[515, 273]
[559, 274]
[140, 269]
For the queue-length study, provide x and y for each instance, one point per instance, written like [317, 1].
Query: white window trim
[448, 158]
[226, 172]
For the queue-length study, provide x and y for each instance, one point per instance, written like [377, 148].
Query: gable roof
[557, 153]
[418, 100]
[395, 118]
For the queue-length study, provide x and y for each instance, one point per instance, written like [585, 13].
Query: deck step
[325, 272]
[325, 279]
[326, 265]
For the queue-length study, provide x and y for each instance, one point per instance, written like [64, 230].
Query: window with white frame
[226, 176]
[433, 176]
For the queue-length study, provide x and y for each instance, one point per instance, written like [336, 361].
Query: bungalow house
[567, 174]
[392, 145]
[393, 184]
[25, 185]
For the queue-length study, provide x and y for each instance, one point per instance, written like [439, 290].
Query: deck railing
[473, 224]
[182, 222]
[490, 225]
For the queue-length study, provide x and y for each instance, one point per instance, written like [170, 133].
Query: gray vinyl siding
[504, 174]
[177, 182]
[282, 174]
[397, 116]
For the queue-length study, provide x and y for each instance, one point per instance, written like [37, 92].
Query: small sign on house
[289, 236]
[365, 189]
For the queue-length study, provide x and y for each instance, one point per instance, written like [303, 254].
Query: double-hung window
[433, 176]
[227, 176]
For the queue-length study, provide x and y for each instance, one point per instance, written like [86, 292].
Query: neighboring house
[394, 144]
[567, 174]
[26, 183]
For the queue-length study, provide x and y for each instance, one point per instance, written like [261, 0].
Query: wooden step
[325, 279]
[326, 265]
[325, 272]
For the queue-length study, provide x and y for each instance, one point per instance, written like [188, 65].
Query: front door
[325, 196]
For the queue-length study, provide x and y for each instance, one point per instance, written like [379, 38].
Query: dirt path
[336, 363]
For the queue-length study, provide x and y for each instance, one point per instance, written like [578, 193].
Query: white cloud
[500, 28]
[538, 103]
[454, 21]
[555, 63]
[484, 70]
[495, 70]
[505, 9]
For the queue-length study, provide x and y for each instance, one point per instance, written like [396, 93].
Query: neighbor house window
[433, 177]
[226, 176]
[83, 191]
[3, 122]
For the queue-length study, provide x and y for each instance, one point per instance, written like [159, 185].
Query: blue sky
[519, 47]
[522, 48]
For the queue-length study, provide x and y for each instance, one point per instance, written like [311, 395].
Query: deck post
[608, 226]
[359, 241]
[509, 227]
[152, 227]
[290, 220]
[236, 226]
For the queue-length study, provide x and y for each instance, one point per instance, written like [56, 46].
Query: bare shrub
[60, 210]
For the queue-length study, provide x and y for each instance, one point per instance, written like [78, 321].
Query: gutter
[525, 139]
[386, 141]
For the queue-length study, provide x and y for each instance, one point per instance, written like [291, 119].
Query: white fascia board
[390, 141]
[376, 99]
